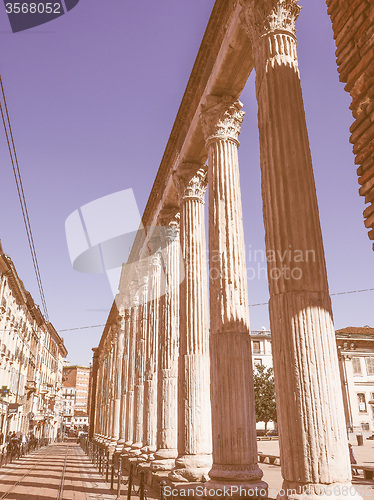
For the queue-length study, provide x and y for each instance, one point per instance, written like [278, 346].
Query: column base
[135, 450]
[164, 460]
[337, 491]
[119, 446]
[191, 468]
[236, 473]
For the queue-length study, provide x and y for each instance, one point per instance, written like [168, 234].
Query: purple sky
[92, 98]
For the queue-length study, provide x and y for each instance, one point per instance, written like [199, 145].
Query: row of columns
[178, 393]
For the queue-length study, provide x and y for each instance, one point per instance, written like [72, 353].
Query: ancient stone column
[167, 422]
[134, 302]
[140, 362]
[117, 381]
[125, 323]
[312, 433]
[92, 429]
[97, 428]
[233, 411]
[194, 415]
[107, 393]
[152, 346]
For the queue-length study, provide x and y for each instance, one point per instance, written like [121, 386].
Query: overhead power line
[331, 295]
[21, 195]
[252, 305]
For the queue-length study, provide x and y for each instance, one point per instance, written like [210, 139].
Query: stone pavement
[60, 471]
[272, 473]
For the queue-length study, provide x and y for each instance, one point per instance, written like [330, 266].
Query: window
[361, 402]
[365, 426]
[257, 362]
[370, 365]
[356, 364]
[256, 346]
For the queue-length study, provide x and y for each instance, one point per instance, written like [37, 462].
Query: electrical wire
[252, 305]
[21, 196]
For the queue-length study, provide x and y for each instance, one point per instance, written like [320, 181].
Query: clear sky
[92, 98]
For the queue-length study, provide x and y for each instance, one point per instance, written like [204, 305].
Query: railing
[112, 472]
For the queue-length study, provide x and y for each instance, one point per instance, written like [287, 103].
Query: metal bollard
[119, 479]
[112, 477]
[162, 485]
[142, 485]
[129, 484]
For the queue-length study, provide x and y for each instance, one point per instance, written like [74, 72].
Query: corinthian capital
[169, 219]
[260, 17]
[221, 118]
[191, 181]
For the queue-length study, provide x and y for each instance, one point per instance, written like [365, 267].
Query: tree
[264, 394]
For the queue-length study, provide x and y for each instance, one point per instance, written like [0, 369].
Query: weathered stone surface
[194, 416]
[312, 431]
[233, 413]
[167, 422]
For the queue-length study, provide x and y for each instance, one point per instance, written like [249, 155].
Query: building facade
[356, 363]
[32, 354]
[76, 386]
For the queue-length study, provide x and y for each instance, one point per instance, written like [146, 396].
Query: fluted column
[108, 399]
[117, 380]
[134, 302]
[125, 324]
[167, 422]
[194, 415]
[92, 430]
[140, 362]
[312, 433]
[233, 411]
[150, 384]
[97, 428]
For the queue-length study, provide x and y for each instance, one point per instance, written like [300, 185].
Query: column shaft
[233, 412]
[126, 325]
[140, 363]
[194, 415]
[150, 384]
[134, 301]
[312, 433]
[169, 343]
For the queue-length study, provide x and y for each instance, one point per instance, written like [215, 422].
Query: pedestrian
[352, 458]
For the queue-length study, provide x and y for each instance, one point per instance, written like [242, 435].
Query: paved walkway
[63, 472]
[272, 473]
[60, 472]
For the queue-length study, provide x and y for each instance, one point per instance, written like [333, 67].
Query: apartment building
[76, 381]
[31, 359]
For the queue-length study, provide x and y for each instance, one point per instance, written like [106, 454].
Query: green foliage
[264, 394]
